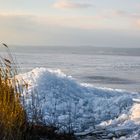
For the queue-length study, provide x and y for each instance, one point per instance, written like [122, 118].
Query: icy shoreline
[81, 107]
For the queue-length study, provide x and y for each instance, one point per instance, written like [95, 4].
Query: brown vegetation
[14, 123]
[12, 115]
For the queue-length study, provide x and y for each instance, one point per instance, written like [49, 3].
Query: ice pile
[80, 107]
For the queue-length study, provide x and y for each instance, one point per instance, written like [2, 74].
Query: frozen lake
[103, 67]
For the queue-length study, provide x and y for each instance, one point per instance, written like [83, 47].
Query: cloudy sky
[114, 23]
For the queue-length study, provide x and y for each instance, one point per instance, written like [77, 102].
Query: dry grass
[12, 115]
[14, 123]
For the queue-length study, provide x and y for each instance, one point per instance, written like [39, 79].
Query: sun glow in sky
[113, 23]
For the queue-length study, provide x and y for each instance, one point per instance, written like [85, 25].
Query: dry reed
[12, 115]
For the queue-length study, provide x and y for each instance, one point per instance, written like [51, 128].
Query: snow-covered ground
[81, 107]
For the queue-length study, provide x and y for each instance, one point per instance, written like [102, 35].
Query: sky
[111, 23]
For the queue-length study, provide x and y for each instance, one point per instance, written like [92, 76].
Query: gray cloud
[67, 4]
[20, 29]
[36, 30]
[126, 14]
